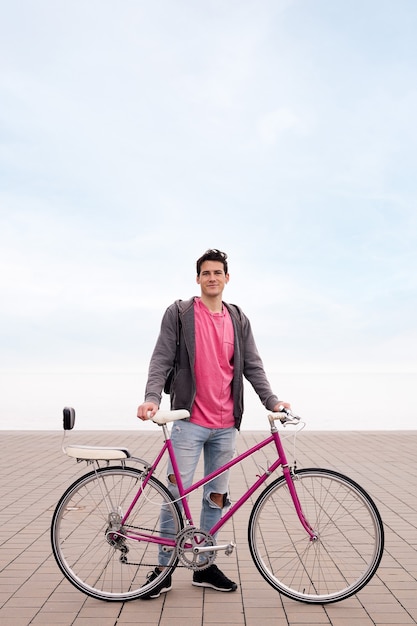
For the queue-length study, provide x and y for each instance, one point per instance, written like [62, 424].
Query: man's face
[212, 278]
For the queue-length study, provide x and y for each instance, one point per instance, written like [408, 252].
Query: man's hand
[147, 410]
[278, 407]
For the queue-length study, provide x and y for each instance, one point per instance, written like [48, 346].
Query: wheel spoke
[346, 553]
[90, 544]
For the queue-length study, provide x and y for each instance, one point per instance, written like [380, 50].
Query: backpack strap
[168, 382]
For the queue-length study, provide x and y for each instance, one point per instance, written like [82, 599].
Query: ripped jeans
[189, 440]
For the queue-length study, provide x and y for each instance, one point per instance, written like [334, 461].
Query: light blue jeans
[189, 440]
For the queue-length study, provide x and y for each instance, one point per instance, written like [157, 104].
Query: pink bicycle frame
[280, 461]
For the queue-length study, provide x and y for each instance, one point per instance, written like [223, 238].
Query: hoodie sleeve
[253, 368]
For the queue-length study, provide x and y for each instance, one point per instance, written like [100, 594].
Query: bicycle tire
[79, 533]
[350, 540]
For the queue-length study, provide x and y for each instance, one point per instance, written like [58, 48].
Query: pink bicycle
[315, 535]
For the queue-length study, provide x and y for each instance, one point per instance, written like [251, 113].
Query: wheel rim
[346, 553]
[95, 555]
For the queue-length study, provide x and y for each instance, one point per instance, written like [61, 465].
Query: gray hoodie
[175, 352]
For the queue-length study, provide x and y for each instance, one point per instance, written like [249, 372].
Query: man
[207, 345]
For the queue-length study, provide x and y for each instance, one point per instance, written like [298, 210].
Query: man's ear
[197, 279]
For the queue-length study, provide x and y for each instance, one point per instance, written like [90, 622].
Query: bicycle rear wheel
[347, 551]
[104, 564]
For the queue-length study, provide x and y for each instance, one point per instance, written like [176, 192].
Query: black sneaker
[166, 585]
[215, 579]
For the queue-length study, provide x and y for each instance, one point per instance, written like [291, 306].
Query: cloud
[279, 133]
[273, 124]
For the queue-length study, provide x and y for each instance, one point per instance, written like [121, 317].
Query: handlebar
[285, 416]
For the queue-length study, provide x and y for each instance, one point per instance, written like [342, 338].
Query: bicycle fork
[289, 478]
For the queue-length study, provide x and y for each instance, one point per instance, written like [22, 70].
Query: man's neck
[215, 305]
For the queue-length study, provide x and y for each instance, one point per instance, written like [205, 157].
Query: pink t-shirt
[214, 337]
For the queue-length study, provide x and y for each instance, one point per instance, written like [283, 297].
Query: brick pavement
[34, 473]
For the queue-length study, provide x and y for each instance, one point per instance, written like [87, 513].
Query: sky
[135, 135]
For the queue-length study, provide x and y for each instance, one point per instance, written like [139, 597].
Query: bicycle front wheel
[349, 530]
[94, 551]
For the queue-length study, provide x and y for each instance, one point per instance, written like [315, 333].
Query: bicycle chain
[186, 541]
[183, 535]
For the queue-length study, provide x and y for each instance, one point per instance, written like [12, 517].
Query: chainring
[188, 540]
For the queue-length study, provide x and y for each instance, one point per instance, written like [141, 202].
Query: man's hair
[212, 255]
